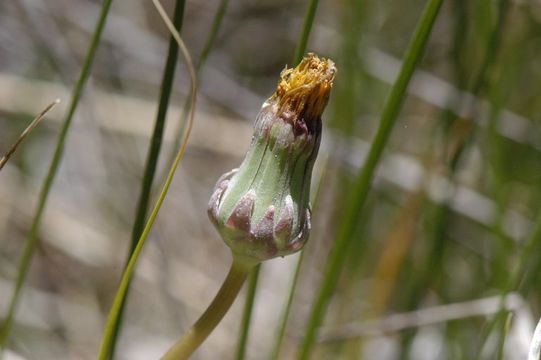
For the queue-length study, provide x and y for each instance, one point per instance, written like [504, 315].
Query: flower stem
[195, 336]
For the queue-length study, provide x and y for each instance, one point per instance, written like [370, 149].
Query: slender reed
[159, 126]
[247, 313]
[362, 182]
[209, 44]
[439, 244]
[211, 39]
[153, 153]
[275, 352]
[106, 345]
[32, 240]
[306, 29]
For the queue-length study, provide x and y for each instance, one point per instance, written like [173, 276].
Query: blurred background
[445, 262]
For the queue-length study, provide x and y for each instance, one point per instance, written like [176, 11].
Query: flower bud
[262, 208]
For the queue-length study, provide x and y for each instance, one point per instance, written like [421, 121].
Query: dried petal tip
[304, 90]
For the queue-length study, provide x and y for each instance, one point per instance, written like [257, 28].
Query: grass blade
[153, 152]
[32, 239]
[159, 126]
[442, 215]
[362, 182]
[247, 313]
[275, 353]
[209, 43]
[306, 29]
[211, 39]
[114, 314]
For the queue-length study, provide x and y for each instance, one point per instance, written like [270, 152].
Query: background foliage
[448, 228]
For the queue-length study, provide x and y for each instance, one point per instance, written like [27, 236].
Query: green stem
[209, 44]
[503, 335]
[194, 337]
[32, 239]
[434, 268]
[247, 313]
[153, 153]
[211, 39]
[285, 316]
[362, 182]
[159, 125]
[306, 29]
[114, 313]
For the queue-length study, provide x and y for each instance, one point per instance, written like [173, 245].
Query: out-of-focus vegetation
[445, 260]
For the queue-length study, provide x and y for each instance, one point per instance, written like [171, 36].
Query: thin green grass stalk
[299, 53]
[209, 44]
[503, 335]
[351, 101]
[32, 239]
[114, 314]
[448, 118]
[483, 81]
[159, 126]
[459, 38]
[362, 182]
[153, 152]
[247, 313]
[211, 39]
[275, 353]
[306, 29]
[483, 78]
[434, 267]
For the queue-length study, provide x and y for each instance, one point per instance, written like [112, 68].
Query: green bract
[262, 208]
